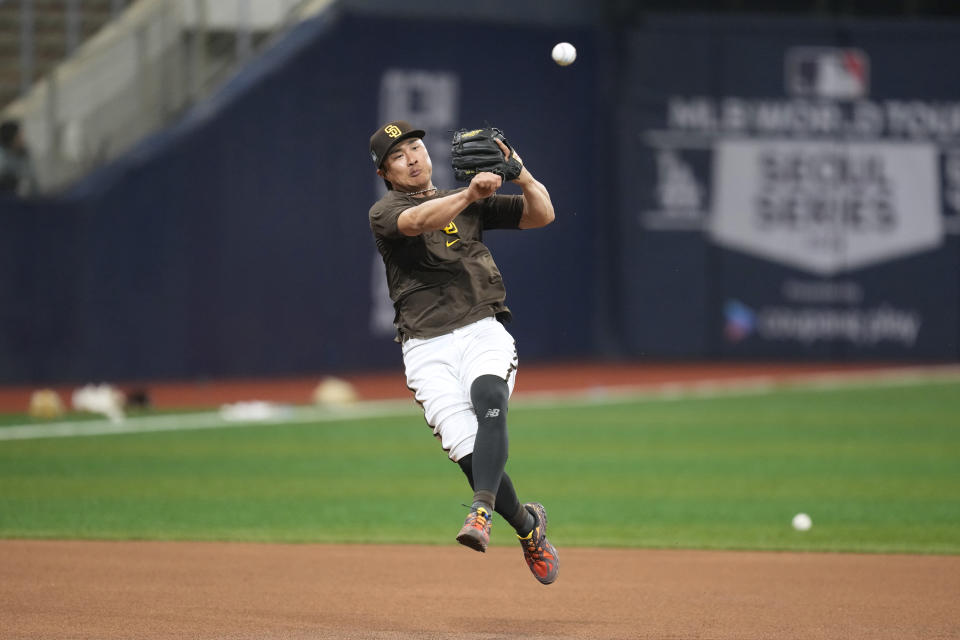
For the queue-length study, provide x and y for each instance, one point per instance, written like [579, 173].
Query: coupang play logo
[740, 321]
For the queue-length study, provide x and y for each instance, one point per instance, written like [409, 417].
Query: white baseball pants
[441, 370]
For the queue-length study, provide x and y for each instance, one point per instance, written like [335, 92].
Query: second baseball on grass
[802, 522]
[564, 53]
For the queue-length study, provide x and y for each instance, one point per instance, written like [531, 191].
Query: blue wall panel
[237, 242]
[791, 190]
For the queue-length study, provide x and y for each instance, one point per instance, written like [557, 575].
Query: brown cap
[387, 136]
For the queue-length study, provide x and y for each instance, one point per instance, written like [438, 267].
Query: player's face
[408, 167]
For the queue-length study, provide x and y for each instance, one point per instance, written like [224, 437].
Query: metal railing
[151, 60]
[74, 12]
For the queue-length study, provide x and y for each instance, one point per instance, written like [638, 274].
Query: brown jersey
[445, 279]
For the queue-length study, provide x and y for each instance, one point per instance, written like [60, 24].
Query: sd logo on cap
[387, 136]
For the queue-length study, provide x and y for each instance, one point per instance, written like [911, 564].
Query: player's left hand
[508, 152]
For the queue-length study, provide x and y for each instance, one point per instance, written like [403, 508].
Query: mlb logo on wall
[827, 72]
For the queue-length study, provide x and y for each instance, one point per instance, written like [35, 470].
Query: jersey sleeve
[502, 212]
[383, 218]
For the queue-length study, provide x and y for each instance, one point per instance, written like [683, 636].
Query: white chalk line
[658, 392]
[203, 420]
[746, 386]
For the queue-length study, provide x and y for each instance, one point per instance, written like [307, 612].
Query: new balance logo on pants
[492, 413]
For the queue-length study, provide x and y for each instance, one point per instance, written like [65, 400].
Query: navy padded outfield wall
[237, 243]
[724, 189]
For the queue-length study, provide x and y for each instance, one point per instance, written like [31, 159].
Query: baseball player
[460, 361]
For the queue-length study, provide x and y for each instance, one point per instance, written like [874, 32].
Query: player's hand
[507, 151]
[483, 185]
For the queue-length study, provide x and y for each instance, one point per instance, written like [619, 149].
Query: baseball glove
[476, 150]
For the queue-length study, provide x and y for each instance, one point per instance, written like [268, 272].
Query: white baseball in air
[564, 53]
[802, 522]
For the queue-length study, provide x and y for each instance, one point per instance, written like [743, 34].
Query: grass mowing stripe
[876, 469]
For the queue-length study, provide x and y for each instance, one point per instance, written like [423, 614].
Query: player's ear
[381, 173]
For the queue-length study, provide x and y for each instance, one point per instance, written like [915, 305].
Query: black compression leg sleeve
[489, 395]
[508, 505]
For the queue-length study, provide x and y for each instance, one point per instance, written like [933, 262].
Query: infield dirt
[149, 590]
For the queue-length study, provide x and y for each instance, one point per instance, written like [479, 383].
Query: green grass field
[878, 469]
